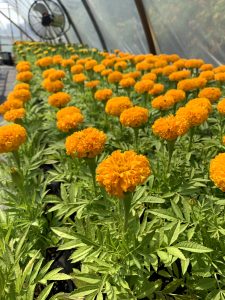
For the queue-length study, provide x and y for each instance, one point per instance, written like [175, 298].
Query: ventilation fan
[47, 19]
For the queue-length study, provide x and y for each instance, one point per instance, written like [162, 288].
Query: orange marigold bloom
[47, 72]
[208, 75]
[220, 69]
[169, 70]
[79, 78]
[106, 72]
[22, 86]
[86, 143]
[10, 104]
[158, 88]
[206, 67]
[14, 114]
[223, 141]
[191, 84]
[76, 69]
[67, 63]
[70, 121]
[22, 94]
[221, 107]
[57, 59]
[57, 74]
[120, 65]
[220, 77]
[193, 63]
[24, 76]
[92, 84]
[217, 171]
[170, 127]
[179, 75]
[122, 172]
[149, 76]
[89, 65]
[115, 77]
[143, 66]
[44, 62]
[21, 67]
[163, 102]
[52, 86]
[180, 63]
[108, 62]
[103, 95]
[212, 93]
[66, 111]
[157, 71]
[59, 99]
[99, 68]
[195, 114]
[134, 117]
[11, 137]
[160, 63]
[202, 102]
[178, 95]
[143, 86]
[127, 82]
[115, 106]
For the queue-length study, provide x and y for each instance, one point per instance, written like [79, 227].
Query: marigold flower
[193, 63]
[76, 69]
[158, 88]
[201, 102]
[217, 171]
[57, 59]
[115, 77]
[220, 77]
[122, 172]
[206, 67]
[47, 72]
[143, 86]
[220, 69]
[170, 127]
[52, 86]
[70, 121]
[21, 67]
[57, 74]
[115, 106]
[66, 111]
[179, 75]
[106, 72]
[22, 94]
[134, 117]
[10, 104]
[127, 82]
[89, 65]
[169, 70]
[86, 143]
[11, 137]
[67, 62]
[221, 107]
[92, 84]
[79, 78]
[103, 95]
[191, 84]
[178, 95]
[44, 62]
[108, 62]
[212, 93]
[163, 102]
[59, 99]
[160, 63]
[157, 71]
[120, 65]
[24, 76]
[99, 68]
[149, 76]
[22, 86]
[14, 114]
[195, 114]
[208, 75]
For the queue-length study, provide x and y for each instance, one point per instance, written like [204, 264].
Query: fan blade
[41, 8]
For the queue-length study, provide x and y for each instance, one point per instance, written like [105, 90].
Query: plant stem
[192, 131]
[16, 158]
[221, 127]
[136, 131]
[126, 208]
[170, 148]
[92, 167]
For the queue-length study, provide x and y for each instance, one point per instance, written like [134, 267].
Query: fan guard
[47, 19]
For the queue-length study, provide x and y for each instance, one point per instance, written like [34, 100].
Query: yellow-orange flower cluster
[221, 107]
[79, 78]
[69, 118]
[143, 86]
[122, 172]
[24, 76]
[52, 86]
[115, 77]
[191, 84]
[115, 106]
[44, 62]
[134, 117]
[170, 127]
[103, 94]
[21, 94]
[212, 93]
[217, 171]
[59, 99]
[14, 114]
[127, 82]
[11, 137]
[86, 143]
[163, 102]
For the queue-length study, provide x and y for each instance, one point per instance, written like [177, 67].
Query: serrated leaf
[174, 233]
[163, 214]
[84, 291]
[59, 232]
[44, 294]
[175, 252]
[193, 247]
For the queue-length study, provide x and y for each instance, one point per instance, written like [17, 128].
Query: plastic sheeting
[120, 25]
[192, 29]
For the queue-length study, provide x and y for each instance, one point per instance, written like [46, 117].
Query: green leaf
[81, 253]
[193, 247]
[58, 231]
[176, 210]
[88, 278]
[175, 252]
[174, 233]
[163, 214]
[44, 294]
[153, 199]
[184, 265]
[84, 291]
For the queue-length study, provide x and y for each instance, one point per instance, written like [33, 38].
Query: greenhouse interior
[112, 150]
